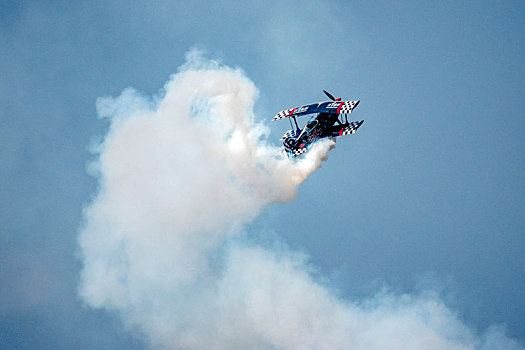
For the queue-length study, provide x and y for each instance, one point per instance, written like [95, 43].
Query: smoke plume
[163, 242]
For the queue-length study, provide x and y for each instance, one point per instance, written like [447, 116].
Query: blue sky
[428, 194]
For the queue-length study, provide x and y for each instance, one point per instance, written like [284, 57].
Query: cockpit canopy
[311, 124]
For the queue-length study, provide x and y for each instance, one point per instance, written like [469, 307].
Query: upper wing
[339, 107]
[345, 107]
[313, 108]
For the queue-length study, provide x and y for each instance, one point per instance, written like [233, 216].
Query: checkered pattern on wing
[282, 114]
[351, 129]
[289, 133]
[347, 107]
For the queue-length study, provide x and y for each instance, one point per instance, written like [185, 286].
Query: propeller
[331, 97]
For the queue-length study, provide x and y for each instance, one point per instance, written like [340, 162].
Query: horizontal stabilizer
[299, 151]
[281, 154]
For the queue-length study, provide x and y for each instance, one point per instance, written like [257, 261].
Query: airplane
[330, 120]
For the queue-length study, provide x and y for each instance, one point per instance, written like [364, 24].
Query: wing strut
[296, 126]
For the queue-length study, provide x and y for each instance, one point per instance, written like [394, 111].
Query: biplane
[330, 119]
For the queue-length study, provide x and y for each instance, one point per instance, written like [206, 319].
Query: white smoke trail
[162, 241]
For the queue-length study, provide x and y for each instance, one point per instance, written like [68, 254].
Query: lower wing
[348, 130]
